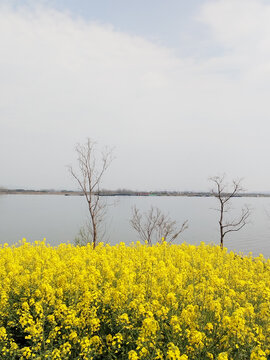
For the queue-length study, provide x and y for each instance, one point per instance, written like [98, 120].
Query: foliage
[137, 302]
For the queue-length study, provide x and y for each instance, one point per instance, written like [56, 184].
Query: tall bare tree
[224, 195]
[89, 175]
[155, 226]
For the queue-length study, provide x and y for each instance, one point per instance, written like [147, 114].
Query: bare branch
[89, 177]
[237, 225]
[155, 226]
[224, 196]
[183, 228]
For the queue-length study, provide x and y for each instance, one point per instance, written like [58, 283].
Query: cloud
[242, 28]
[173, 121]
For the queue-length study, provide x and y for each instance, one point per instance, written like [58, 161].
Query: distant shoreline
[122, 193]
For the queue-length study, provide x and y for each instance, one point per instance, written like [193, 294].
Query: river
[58, 218]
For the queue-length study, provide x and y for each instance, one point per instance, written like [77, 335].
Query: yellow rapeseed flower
[133, 302]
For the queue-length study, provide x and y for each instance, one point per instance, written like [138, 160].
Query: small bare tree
[89, 176]
[154, 225]
[224, 194]
[84, 235]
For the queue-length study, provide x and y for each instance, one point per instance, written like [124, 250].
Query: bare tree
[224, 195]
[154, 225]
[89, 176]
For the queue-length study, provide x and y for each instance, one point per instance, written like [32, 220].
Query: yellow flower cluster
[171, 302]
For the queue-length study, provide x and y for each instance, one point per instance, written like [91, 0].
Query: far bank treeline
[123, 192]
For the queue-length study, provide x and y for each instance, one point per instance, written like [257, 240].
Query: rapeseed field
[174, 302]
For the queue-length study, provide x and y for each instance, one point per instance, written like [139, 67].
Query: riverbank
[123, 193]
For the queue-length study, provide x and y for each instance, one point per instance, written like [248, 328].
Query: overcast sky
[180, 89]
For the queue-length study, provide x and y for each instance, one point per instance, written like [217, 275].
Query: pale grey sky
[179, 88]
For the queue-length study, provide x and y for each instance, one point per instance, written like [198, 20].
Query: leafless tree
[89, 175]
[224, 195]
[154, 225]
[84, 235]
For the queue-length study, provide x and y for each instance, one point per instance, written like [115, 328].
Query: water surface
[58, 219]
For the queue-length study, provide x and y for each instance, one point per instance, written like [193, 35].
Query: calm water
[59, 218]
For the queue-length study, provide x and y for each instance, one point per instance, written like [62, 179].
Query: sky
[178, 89]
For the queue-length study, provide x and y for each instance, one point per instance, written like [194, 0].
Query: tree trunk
[221, 223]
[94, 236]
